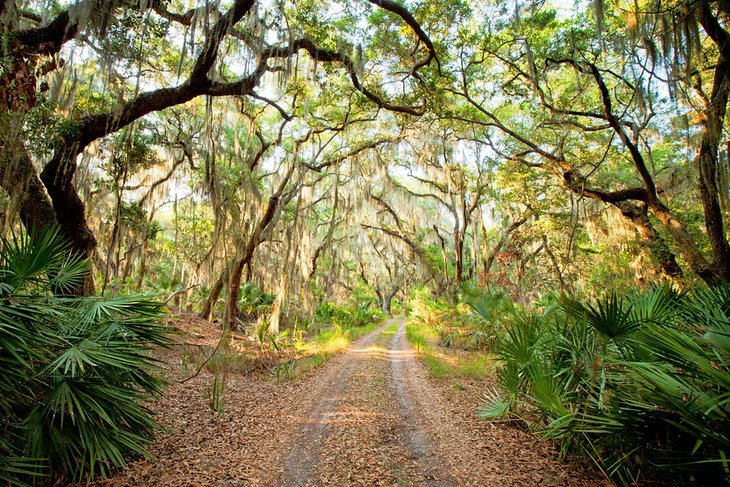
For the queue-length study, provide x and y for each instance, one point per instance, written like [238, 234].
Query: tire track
[304, 457]
[365, 428]
[416, 437]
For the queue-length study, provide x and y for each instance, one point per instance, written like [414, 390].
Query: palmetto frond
[29, 263]
[659, 305]
[633, 381]
[611, 317]
[75, 370]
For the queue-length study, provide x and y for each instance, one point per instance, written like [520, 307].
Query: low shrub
[638, 383]
[253, 302]
[75, 370]
[346, 316]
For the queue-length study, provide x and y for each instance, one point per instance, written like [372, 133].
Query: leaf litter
[369, 417]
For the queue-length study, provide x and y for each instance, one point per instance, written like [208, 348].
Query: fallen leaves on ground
[364, 444]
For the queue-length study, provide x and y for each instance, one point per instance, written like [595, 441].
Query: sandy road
[370, 417]
[304, 458]
[379, 420]
[366, 429]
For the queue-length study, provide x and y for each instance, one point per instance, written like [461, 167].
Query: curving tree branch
[408, 18]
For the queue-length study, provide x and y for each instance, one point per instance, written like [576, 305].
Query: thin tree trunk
[445, 258]
[488, 261]
[331, 277]
[556, 266]
[287, 268]
[215, 292]
[142, 264]
[258, 235]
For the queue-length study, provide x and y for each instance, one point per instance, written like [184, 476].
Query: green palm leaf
[41, 260]
[75, 370]
[611, 317]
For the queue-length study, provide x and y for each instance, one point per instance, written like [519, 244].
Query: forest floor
[370, 416]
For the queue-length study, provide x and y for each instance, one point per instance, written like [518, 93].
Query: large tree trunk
[20, 179]
[713, 120]
[244, 256]
[656, 245]
[388, 299]
[70, 211]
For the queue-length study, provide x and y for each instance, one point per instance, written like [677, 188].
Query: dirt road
[369, 417]
[364, 429]
[380, 421]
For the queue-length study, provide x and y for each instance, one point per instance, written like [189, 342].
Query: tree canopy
[321, 149]
[546, 180]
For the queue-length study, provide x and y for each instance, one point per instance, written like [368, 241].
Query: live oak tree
[222, 119]
[218, 53]
[593, 111]
[457, 187]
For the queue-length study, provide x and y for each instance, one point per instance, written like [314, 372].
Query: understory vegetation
[637, 383]
[449, 341]
[74, 370]
[290, 353]
[77, 371]
[327, 342]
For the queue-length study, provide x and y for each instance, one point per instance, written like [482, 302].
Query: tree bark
[713, 121]
[20, 180]
[656, 245]
[489, 260]
[636, 213]
[287, 269]
[37, 212]
[445, 259]
[258, 235]
[142, 271]
[329, 288]
[388, 299]
[556, 266]
[215, 292]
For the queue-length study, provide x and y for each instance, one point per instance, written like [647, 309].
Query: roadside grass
[474, 365]
[355, 333]
[381, 344]
[391, 330]
[423, 338]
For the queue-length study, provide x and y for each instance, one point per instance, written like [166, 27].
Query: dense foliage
[75, 370]
[635, 382]
[348, 316]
